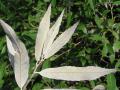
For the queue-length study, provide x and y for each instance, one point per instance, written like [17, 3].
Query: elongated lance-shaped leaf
[11, 51]
[71, 73]
[99, 87]
[52, 33]
[42, 33]
[10, 33]
[20, 59]
[111, 82]
[21, 66]
[61, 41]
[10, 46]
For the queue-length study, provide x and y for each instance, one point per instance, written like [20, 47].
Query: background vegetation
[95, 42]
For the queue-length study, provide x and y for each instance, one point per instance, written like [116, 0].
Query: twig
[38, 64]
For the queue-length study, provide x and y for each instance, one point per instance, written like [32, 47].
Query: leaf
[10, 46]
[117, 65]
[115, 34]
[46, 64]
[2, 74]
[91, 4]
[1, 83]
[116, 46]
[71, 73]
[3, 51]
[61, 41]
[105, 50]
[53, 2]
[111, 82]
[52, 33]
[37, 86]
[19, 57]
[62, 84]
[42, 33]
[99, 87]
[112, 58]
[92, 83]
[96, 37]
[21, 66]
[83, 28]
[99, 21]
[10, 33]
[11, 51]
[116, 3]
[69, 19]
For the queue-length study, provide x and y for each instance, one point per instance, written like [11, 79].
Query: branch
[38, 64]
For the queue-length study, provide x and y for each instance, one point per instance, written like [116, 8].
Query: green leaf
[99, 21]
[17, 88]
[92, 83]
[3, 50]
[29, 1]
[105, 40]
[69, 19]
[53, 2]
[1, 43]
[1, 83]
[91, 4]
[83, 60]
[46, 64]
[112, 58]
[110, 49]
[82, 28]
[111, 82]
[110, 22]
[104, 50]
[116, 3]
[116, 46]
[115, 34]
[62, 84]
[1, 74]
[96, 37]
[117, 65]
[37, 86]
[29, 34]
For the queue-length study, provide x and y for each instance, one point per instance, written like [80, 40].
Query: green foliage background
[95, 42]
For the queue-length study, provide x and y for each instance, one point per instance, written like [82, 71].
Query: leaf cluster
[95, 42]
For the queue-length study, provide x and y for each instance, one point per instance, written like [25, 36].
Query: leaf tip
[1, 22]
[49, 7]
[77, 23]
[63, 11]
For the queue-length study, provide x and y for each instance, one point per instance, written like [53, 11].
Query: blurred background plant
[95, 42]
